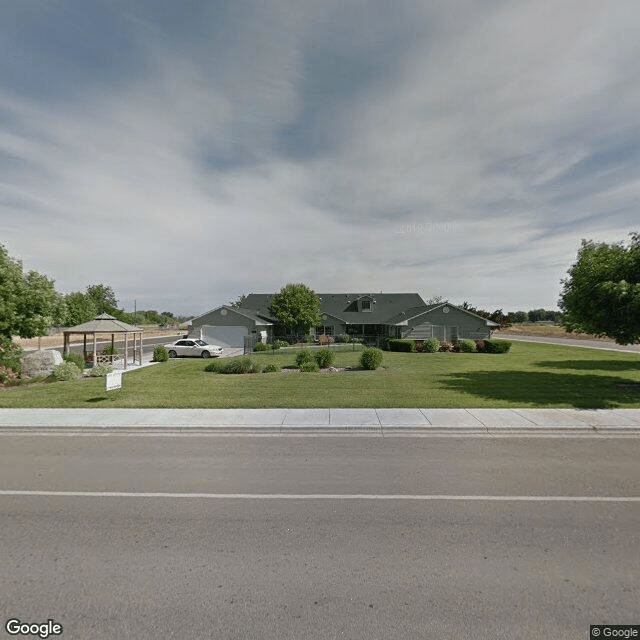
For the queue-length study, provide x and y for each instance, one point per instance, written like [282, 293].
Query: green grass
[530, 375]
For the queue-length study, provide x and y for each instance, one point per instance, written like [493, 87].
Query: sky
[185, 153]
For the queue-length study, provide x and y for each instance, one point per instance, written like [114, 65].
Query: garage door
[224, 336]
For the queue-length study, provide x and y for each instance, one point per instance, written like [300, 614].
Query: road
[591, 344]
[320, 537]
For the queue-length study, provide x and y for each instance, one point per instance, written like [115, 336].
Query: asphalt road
[591, 344]
[308, 537]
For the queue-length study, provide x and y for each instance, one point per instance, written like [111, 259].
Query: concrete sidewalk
[372, 422]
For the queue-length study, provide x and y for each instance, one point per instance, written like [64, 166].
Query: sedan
[196, 348]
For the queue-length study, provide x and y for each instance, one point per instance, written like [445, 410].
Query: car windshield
[201, 342]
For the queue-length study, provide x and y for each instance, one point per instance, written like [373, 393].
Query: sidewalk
[371, 422]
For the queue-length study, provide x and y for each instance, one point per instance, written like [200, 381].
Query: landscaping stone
[40, 363]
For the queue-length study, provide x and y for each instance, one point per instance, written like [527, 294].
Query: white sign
[114, 380]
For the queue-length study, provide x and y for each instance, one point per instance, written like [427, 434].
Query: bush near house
[445, 346]
[431, 345]
[272, 367]
[160, 353]
[371, 358]
[344, 338]
[304, 355]
[495, 345]
[468, 346]
[277, 344]
[261, 346]
[398, 344]
[234, 365]
[325, 357]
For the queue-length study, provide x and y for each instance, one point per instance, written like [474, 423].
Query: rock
[41, 362]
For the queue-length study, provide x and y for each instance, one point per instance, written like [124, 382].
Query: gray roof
[104, 323]
[343, 306]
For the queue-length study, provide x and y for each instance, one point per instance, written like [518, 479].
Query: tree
[602, 293]
[238, 302]
[103, 297]
[29, 305]
[80, 308]
[297, 307]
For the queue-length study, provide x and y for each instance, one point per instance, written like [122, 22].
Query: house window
[365, 305]
[326, 330]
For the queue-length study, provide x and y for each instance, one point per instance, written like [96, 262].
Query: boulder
[40, 363]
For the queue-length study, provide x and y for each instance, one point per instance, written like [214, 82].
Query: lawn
[530, 375]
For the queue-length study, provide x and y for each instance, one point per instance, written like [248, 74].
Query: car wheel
[205, 354]
[172, 354]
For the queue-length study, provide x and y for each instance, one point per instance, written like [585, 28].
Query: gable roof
[342, 306]
[259, 319]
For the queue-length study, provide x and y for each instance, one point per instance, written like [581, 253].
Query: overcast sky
[187, 152]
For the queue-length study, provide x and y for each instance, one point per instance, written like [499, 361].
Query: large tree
[29, 304]
[297, 307]
[103, 297]
[602, 293]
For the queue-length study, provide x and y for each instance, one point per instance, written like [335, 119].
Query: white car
[196, 348]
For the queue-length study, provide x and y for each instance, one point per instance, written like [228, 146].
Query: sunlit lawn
[530, 375]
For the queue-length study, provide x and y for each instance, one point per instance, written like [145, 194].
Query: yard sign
[114, 380]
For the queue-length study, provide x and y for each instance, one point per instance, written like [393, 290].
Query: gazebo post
[126, 348]
[112, 343]
[95, 354]
[65, 344]
[84, 349]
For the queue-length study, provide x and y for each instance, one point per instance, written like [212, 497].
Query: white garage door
[224, 336]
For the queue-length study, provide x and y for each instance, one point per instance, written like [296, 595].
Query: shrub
[101, 370]
[325, 357]
[272, 367]
[233, 366]
[111, 350]
[309, 366]
[356, 340]
[396, 344]
[324, 339]
[76, 358]
[66, 371]
[160, 353]
[261, 346]
[343, 337]
[497, 346]
[456, 346]
[445, 346]
[431, 345]
[371, 358]
[308, 338]
[468, 346]
[304, 355]
[10, 354]
[480, 346]
[277, 344]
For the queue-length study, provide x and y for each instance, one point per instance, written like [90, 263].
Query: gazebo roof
[104, 323]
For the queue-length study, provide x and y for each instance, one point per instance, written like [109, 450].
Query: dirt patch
[57, 339]
[548, 331]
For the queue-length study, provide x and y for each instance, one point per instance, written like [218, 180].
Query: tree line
[30, 305]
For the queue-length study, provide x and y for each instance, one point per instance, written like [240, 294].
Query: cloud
[460, 149]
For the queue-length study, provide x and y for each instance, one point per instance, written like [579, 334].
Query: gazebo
[105, 324]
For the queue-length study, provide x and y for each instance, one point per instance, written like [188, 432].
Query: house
[367, 316]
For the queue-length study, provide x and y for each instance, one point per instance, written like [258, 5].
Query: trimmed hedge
[468, 346]
[371, 358]
[397, 344]
[431, 345]
[497, 346]
[325, 357]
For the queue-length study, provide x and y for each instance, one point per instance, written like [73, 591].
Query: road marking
[315, 496]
